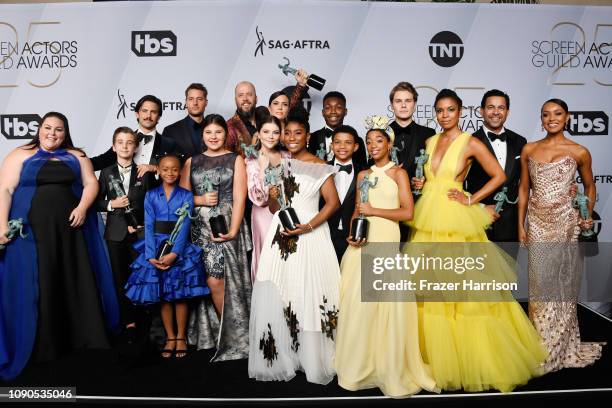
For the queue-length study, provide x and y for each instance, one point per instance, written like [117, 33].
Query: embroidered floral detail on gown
[555, 265]
[295, 295]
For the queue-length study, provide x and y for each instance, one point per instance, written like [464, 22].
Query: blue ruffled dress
[186, 278]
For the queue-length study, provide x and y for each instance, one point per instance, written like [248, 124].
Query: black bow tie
[328, 133]
[146, 138]
[492, 136]
[345, 167]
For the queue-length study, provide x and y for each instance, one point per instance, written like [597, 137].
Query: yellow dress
[376, 342]
[471, 345]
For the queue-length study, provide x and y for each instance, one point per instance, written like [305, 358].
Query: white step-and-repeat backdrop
[92, 61]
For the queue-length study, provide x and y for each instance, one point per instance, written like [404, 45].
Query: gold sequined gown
[555, 265]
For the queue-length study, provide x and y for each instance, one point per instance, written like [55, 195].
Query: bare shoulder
[397, 172]
[21, 152]
[528, 148]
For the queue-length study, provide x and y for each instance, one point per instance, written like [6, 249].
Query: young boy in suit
[344, 145]
[121, 196]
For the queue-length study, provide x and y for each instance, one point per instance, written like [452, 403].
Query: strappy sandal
[181, 353]
[167, 353]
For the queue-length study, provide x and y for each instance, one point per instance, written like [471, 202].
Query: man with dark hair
[187, 132]
[506, 146]
[151, 143]
[334, 110]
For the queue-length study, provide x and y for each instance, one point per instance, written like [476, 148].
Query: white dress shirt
[145, 150]
[124, 174]
[343, 181]
[500, 148]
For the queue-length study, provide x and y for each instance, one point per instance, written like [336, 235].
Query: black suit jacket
[410, 139]
[318, 137]
[182, 134]
[347, 207]
[506, 227]
[161, 145]
[116, 225]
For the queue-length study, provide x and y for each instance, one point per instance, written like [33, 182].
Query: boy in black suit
[344, 146]
[124, 208]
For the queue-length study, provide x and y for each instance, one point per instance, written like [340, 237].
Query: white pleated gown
[294, 306]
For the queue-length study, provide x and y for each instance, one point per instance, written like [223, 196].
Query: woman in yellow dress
[474, 345]
[376, 344]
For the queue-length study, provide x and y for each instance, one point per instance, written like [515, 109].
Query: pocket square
[138, 183]
[517, 157]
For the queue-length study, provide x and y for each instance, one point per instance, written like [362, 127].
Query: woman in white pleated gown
[294, 306]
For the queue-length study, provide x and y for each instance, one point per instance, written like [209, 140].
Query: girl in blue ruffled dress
[176, 276]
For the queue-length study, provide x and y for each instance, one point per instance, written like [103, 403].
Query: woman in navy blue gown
[56, 287]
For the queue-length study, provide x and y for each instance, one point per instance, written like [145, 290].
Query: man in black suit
[187, 132]
[151, 143]
[334, 111]
[119, 234]
[410, 137]
[344, 147]
[506, 146]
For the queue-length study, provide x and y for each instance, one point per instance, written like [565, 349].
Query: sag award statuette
[167, 246]
[313, 80]
[322, 153]
[15, 227]
[502, 197]
[359, 226]
[273, 176]
[581, 202]
[217, 222]
[116, 186]
[420, 161]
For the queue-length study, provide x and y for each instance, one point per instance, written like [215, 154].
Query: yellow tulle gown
[377, 343]
[471, 345]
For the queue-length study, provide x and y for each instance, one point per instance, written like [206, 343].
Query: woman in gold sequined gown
[474, 345]
[549, 168]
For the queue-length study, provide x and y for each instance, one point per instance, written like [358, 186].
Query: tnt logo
[446, 49]
[588, 123]
[154, 43]
[19, 126]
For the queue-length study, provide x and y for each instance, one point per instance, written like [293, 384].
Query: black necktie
[492, 136]
[146, 138]
[345, 167]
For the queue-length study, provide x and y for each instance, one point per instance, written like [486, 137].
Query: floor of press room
[100, 375]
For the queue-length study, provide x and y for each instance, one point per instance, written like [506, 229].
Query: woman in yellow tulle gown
[471, 345]
[377, 341]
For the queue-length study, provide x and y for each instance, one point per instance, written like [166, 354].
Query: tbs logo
[19, 126]
[154, 43]
[588, 123]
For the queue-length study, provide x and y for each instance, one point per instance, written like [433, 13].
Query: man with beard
[187, 132]
[241, 127]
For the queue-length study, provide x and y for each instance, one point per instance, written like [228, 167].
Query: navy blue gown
[56, 287]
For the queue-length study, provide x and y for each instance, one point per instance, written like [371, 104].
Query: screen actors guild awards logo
[446, 49]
